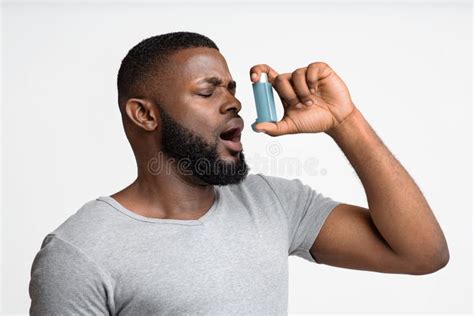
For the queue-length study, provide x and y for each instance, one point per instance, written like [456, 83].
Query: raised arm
[398, 233]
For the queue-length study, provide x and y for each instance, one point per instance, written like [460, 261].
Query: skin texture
[398, 233]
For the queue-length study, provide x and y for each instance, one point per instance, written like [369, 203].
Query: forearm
[396, 204]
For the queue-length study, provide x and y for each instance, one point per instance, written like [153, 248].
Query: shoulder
[66, 281]
[92, 223]
[262, 190]
[275, 186]
[57, 255]
[251, 185]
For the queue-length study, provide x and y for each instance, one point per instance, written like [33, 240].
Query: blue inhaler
[264, 102]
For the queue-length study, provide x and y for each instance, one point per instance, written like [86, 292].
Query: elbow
[435, 263]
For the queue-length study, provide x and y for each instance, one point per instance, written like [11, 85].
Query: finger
[316, 71]
[298, 79]
[272, 128]
[256, 70]
[285, 90]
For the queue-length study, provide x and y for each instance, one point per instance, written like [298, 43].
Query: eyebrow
[217, 81]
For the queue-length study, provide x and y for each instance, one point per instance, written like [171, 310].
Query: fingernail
[312, 90]
[309, 102]
[253, 127]
[299, 105]
[254, 76]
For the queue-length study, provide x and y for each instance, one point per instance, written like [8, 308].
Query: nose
[231, 103]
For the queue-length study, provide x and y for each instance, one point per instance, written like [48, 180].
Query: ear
[142, 113]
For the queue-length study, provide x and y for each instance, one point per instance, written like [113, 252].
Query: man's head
[177, 96]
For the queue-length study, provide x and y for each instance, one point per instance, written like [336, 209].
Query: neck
[166, 194]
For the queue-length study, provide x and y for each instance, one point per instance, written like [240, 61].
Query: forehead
[195, 63]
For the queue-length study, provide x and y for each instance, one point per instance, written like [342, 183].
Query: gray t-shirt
[105, 259]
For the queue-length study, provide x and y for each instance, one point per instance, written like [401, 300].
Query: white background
[407, 65]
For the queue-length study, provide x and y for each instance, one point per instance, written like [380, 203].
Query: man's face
[199, 115]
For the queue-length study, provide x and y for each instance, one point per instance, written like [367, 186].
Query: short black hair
[145, 61]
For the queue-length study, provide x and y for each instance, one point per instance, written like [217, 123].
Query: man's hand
[314, 98]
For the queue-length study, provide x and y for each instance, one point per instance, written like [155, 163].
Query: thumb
[270, 128]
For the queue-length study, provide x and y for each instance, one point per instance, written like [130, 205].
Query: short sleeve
[66, 282]
[305, 209]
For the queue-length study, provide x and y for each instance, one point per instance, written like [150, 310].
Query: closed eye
[205, 95]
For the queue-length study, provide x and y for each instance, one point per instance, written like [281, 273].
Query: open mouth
[231, 135]
[231, 139]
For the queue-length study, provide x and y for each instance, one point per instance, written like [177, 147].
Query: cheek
[203, 122]
[194, 109]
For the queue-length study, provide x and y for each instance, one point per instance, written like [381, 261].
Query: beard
[197, 157]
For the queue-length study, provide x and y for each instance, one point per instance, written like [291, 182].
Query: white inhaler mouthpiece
[263, 77]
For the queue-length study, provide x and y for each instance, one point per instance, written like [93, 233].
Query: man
[195, 233]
